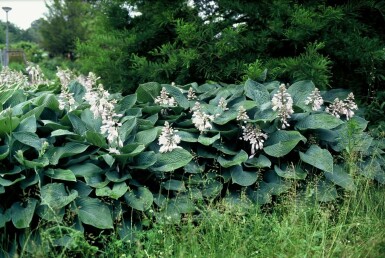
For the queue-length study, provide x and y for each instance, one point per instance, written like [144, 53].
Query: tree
[333, 43]
[66, 22]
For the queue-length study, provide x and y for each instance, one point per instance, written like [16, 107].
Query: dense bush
[92, 161]
[332, 43]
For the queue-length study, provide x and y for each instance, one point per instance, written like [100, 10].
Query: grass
[294, 227]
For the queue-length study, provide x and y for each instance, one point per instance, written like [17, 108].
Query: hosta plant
[98, 161]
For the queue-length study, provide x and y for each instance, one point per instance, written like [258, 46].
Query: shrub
[94, 161]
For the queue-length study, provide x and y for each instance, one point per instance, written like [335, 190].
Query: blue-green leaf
[319, 158]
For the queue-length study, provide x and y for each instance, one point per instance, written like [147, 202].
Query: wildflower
[343, 107]
[191, 94]
[200, 119]
[315, 100]
[255, 136]
[164, 99]
[11, 79]
[113, 150]
[168, 140]
[242, 115]
[283, 102]
[66, 98]
[223, 104]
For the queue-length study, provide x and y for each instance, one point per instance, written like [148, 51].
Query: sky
[23, 12]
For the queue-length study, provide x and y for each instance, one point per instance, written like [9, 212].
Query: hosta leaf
[55, 196]
[208, 140]
[28, 124]
[299, 91]
[212, 189]
[36, 163]
[96, 139]
[94, 212]
[341, 178]
[46, 213]
[78, 125]
[233, 161]
[193, 168]
[178, 96]
[4, 151]
[22, 214]
[61, 132]
[260, 196]
[243, 178]
[319, 121]
[140, 199]
[117, 191]
[188, 137]
[147, 136]
[226, 117]
[173, 160]
[5, 216]
[47, 100]
[115, 176]
[5, 182]
[29, 139]
[174, 185]
[85, 170]
[181, 204]
[325, 192]
[290, 172]
[319, 158]
[282, 142]
[257, 92]
[147, 92]
[125, 130]
[8, 124]
[143, 160]
[261, 162]
[61, 174]
[92, 123]
[126, 103]
[68, 150]
[274, 184]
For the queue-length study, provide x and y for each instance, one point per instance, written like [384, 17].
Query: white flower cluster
[223, 104]
[66, 98]
[283, 102]
[11, 79]
[191, 94]
[255, 136]
[102, 106]
[242, 115]
[164, 99]
[200, 119]
[315, 100]
[36, 75]
[343, 107]
[168, 140]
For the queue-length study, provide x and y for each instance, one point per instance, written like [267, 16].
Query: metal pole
[6, 9]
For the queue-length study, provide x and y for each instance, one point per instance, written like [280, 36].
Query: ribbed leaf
[325, 192]
[299, 91]
[147, 92]
[233, 161]
[8, 124]
[117, 191]
[171, 161]
[174, 185]
[29, 139]
[22, 214]
[241, 177]
[95, 213]
[70, 149]
[78, 125]
[28, 124]
[208, 140]
[140, 199]
[61, 132]
[61, 174]
[257, 92]
[178, 96]
[261, 162]
[282, 142]
[319, 121]
[319, 158]
[147, 136]
[55, 196]
[85, 170]
[144, 160]
[341, 178]
[290, 172]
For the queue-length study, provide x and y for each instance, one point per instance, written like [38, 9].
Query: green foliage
[61, 163]
[170, 41]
